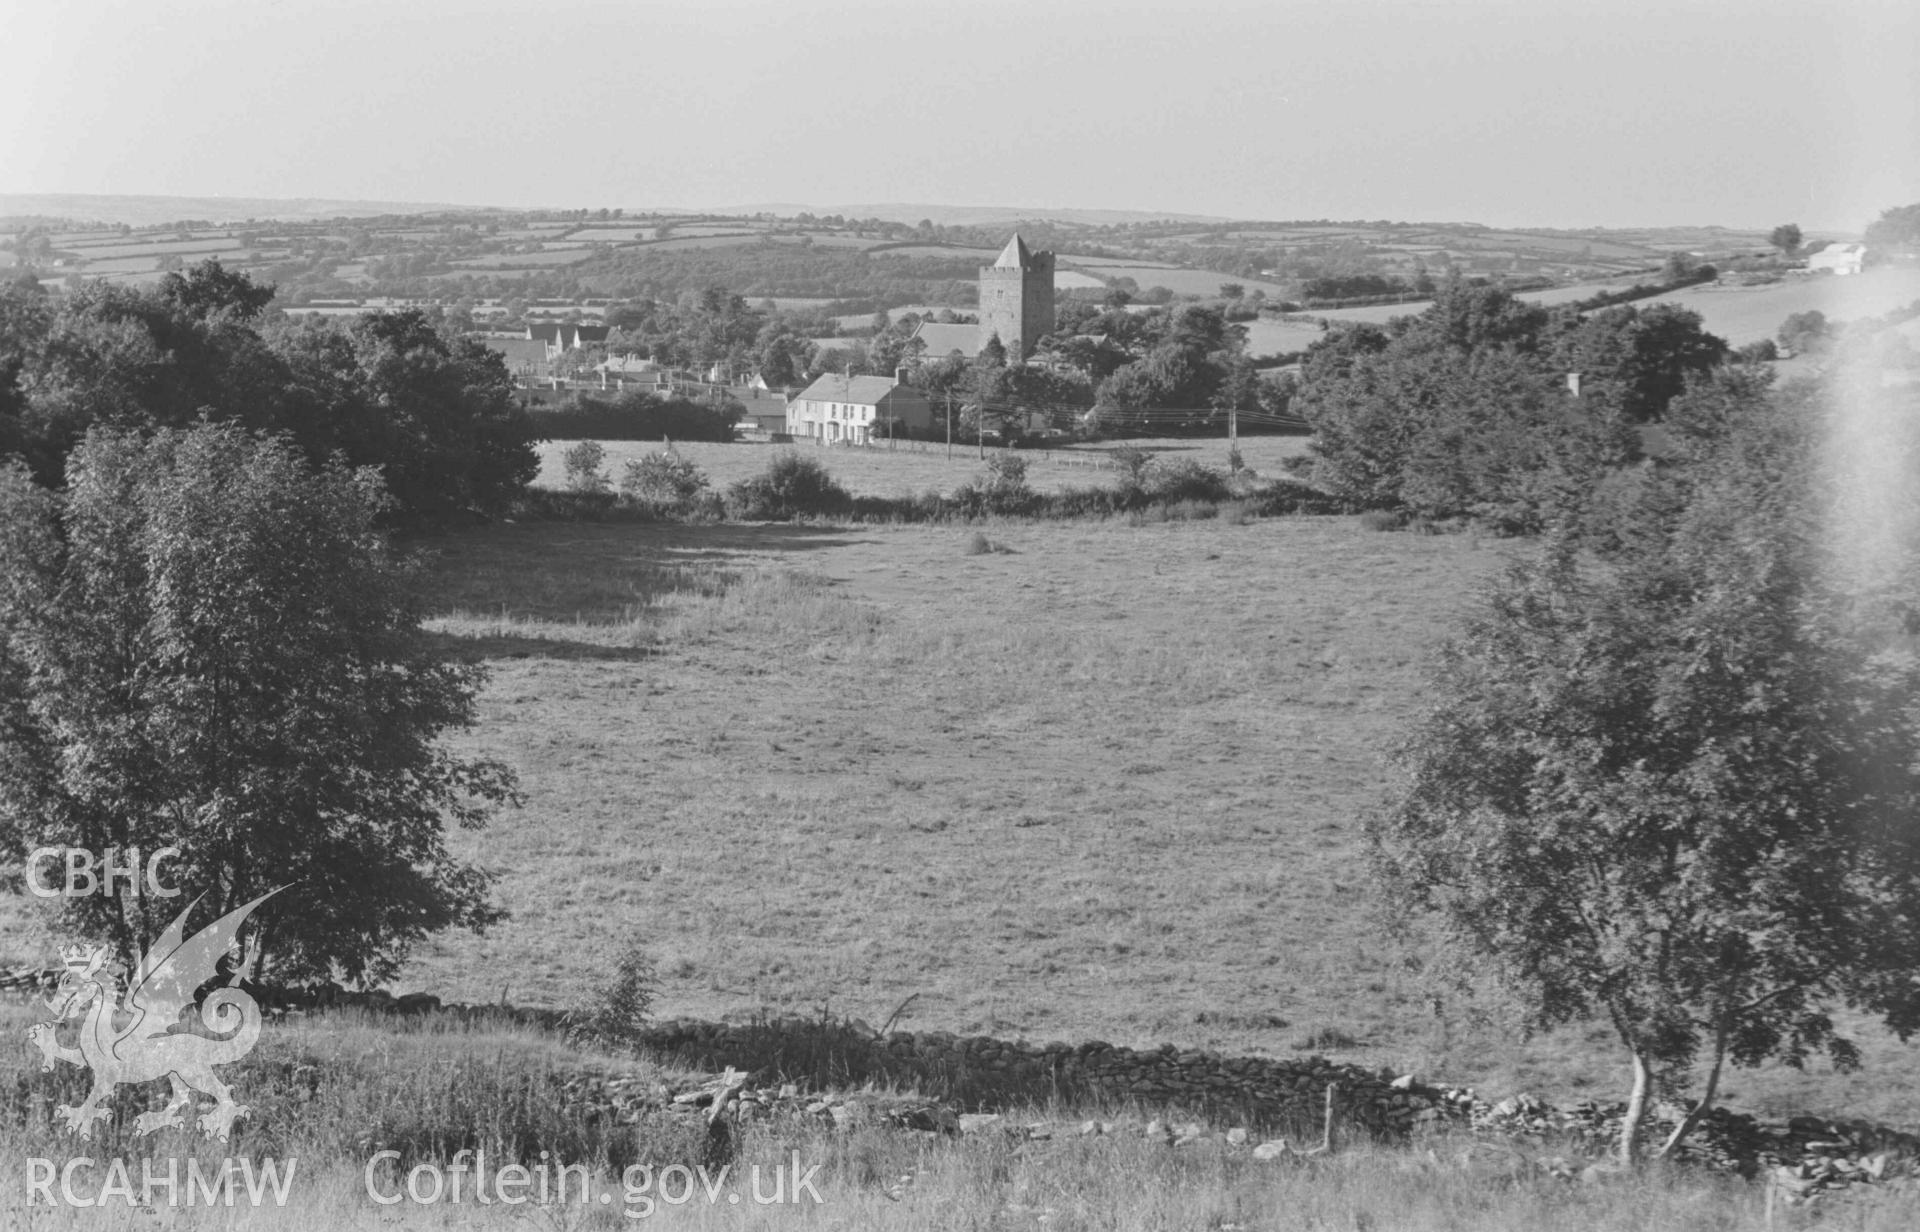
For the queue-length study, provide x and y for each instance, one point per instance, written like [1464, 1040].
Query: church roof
[1014, 255]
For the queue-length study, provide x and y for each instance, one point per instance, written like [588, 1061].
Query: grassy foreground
[328, 1094]
[1102, 782]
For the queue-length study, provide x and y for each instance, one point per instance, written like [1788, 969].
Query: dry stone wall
[982, 1071]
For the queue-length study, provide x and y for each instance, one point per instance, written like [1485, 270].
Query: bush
[978, 545]
[617, 1011]
[1134, 463]
[583, 462]
[1382, 519]
[1002, 491]
[663, 479]
[1187, 480]
[793, 486]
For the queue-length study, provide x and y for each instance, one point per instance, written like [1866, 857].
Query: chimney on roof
[849, 372]
[900, 375]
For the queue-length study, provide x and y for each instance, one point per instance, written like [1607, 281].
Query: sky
[1741, 113]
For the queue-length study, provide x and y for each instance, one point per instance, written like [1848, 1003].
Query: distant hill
[149, 211]
[968, 215]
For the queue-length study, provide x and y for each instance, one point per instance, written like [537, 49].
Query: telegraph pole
[949, 424]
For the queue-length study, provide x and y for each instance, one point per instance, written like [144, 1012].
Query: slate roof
[1015, 255]
[859, 390]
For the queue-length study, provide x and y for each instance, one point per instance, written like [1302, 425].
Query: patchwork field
[1102, 781]
[1738, 314]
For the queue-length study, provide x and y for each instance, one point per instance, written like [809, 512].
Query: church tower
[1016, 299]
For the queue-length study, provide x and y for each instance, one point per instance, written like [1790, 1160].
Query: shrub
[583, 462]
[1235, 463]
[1188, 480]
[978, 545]
[793, 486]
[617, 1011]
[1134, 463]
[1382, 519]
[1002, 491]
[664, 479]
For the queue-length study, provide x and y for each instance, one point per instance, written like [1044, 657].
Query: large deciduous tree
[205, 644]
[1673, 784]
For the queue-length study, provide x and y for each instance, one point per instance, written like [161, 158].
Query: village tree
[206, 644]
[1672, 785]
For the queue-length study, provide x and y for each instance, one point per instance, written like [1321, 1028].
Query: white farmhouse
[857, 409]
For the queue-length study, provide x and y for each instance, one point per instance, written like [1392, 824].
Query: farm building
[857, 408]
[563, 336]
[1838, 259]
[525, 357]
[762, 411]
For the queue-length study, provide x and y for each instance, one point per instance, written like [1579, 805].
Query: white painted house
[1838, 259]
[857, 409]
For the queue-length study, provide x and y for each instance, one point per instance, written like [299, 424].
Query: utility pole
[949, 424]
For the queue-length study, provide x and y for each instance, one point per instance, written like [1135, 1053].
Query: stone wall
[984, 1072]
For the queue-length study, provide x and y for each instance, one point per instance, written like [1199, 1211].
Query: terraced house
[857, 409]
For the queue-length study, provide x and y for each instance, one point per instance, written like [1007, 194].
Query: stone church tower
[1016, 299]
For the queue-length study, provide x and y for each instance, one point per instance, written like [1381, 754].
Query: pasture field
[211, 244]
[1268, 336]
[984, 255]
[1104, 780]
[1184, 281]
[878, 471]
[524, 260]
[1738, 314]
[611, 234]
[1748, 314]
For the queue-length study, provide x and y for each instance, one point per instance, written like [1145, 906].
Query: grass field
[1184, 281]
[1738, 314]
[1103, 781]
[902, 472]
[1266, 336]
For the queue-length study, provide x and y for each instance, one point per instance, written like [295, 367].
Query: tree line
[434, 411]
[1467, 409]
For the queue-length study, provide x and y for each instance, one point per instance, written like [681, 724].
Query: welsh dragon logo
[141, 1037]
